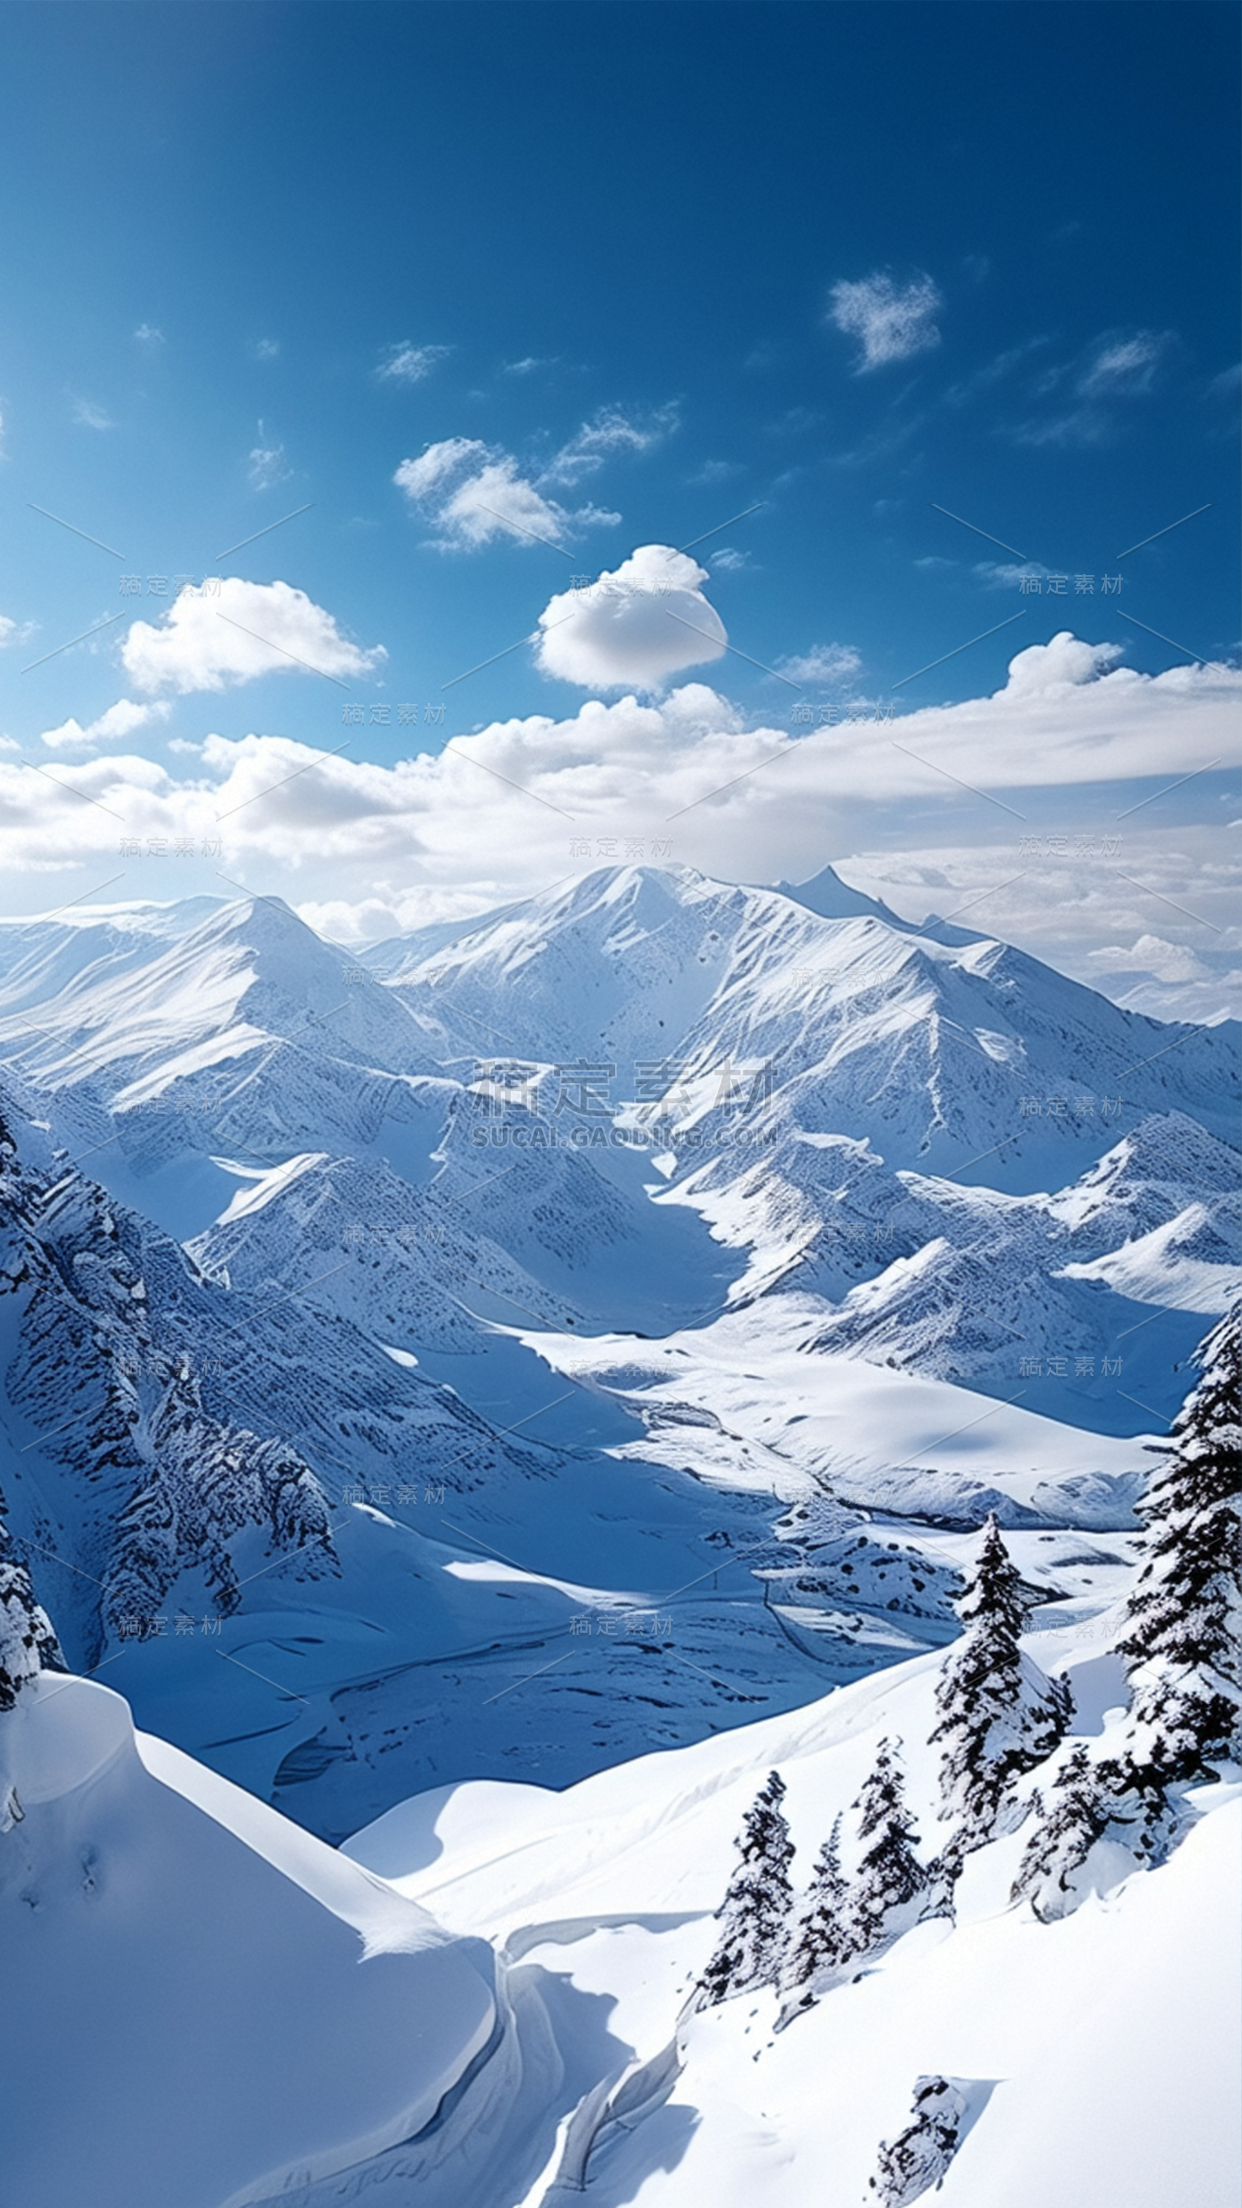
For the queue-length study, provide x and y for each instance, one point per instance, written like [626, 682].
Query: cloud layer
[370, 850]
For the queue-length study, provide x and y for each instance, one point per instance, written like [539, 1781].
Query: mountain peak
[832, 899]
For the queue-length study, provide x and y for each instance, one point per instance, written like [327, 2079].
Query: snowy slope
[220, 2004]
[1055, 2033]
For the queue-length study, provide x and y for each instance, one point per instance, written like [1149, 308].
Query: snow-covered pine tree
[1185, 1613]
[818, 1940]
[28, 1642]
[910, 2165]
[890, 1880]
[999, 1714]
[1069, 1821]
[756, 1909]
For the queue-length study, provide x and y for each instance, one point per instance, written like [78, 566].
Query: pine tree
[1182, 1630]
[890, 1879]
[999, 1714]
[819, 1940]
[28, 1642]
[910, 2165]
[756, 1909]
[1068, 1823]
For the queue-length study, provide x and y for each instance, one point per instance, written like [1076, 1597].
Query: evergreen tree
[1184, 1616]
[999, 1714]
[819, 1940]
[890, 1879]
[1181, 1642]
[910, 2165]
[28, 1642]
[1068, 1822]
[756, 1909]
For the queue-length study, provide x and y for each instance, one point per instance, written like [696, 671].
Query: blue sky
[615, 273]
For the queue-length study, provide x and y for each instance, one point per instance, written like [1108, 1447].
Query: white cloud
[120, 719]
[1125, 364]
[823, 663]
[609, 432]
[1065, 658]
[639, 624]
[1082, 426]
[267, 348]
[732, 561]
[1169, 962]
[716, 471]
[267, 465]
[89, 416]
[244, 631]
[147, 334]
[993, 372]
[474, 493]
[1004, 574]
[528, 366]
[14, 632]
[892, 320]
[406, 363]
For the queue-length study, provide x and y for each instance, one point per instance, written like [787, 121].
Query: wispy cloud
[475, 493]
[992, 372]
[1081, 426]
[893, 321]
[147, 334]
[13, 633]
[823, 663]
[1115, 367]
[610, 431]
[716, 471]
[1003, 574]
[406, 363]
[1123, 366]
[267, 348]
[89, 416]
[267, 465]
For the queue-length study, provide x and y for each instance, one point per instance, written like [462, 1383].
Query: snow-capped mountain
[445, 1310]
[542, 1405]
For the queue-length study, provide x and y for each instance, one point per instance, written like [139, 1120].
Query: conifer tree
[912, 2164]
[1069, 1821]
[819, 1940]
[890, 1879]
[1184, 1616]
[999, 1714]
[28, 1642]
[1181, 1643]
[756, 1909]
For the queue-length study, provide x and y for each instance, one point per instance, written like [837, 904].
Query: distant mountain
[423, 1317]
